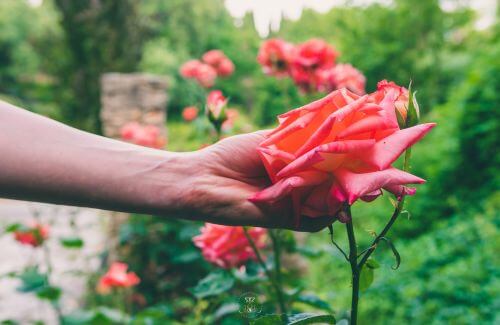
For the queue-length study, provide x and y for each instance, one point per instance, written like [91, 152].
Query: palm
[239, 174]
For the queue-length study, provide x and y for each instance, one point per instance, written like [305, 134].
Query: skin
[46, 161]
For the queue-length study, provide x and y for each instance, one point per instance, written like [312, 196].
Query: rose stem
[356, 268]
[274, 283]
[277, 269]
[355, 271]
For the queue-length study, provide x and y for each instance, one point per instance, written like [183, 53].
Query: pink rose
[275, 56]
[343, 76]
[337, 149]
[190, 68]
[203, 73]
[33, 234]
[314, 54]
[117, 277]
[219, 61]
[143, 135]
[189, 113]
[227, 246]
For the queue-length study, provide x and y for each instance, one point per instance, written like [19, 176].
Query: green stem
[277, 269]
[355, 270]
[274, 283]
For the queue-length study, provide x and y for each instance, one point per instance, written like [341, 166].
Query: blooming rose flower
[309, 60]
[336, 150]
[190, 68]
[225, 68]
[203, 73]
[227, 246]
[33, 234]
[275, 56]
[401, 103]
[190, 113]
[343, 76]
[219, 61]
[143, 135]
[117, 277]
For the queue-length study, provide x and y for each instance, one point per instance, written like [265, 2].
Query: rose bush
[338, 149]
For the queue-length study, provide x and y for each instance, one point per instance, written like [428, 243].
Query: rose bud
[215, 109]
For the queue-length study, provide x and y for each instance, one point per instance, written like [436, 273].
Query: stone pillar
[132, 97]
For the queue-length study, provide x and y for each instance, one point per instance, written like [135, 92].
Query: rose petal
[388, 149]
[357, 185]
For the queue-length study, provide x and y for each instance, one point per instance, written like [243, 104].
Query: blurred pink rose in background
[117, 277]
[227, 246]
[275, 56]
[189, 113]
[143, 135]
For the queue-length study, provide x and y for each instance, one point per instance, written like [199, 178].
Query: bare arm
[43, 160]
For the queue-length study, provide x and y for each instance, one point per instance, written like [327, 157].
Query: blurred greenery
[51, 58]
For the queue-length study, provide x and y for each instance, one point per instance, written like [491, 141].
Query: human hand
[233, 172]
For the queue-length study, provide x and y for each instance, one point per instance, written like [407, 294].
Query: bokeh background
[53, 52]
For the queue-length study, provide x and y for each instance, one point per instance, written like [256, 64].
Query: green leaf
[32, 280]
[72, 242]
[413, 113]
[213, 284]
[372, 263]
[269, 320]
[314, 301]
[309, 251]
[13, 227]
[394, 251]
[309, 318]
[49, 292]
[366, 278]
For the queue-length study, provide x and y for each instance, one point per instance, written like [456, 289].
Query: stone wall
[132, 97]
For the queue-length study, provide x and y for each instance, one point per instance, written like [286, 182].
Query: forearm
[46, 161]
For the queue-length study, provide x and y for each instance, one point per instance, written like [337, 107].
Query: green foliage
[213, 284]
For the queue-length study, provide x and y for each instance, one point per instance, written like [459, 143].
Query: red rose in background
[227, 246]
[189, 113]
[219, 61]
[343, 76]
[203, 73]
[309, 61]
[190, 68]
[275, 56]
[33, 235]
[314, 54]
[143, 135]
[117, 277]
[338, 149]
